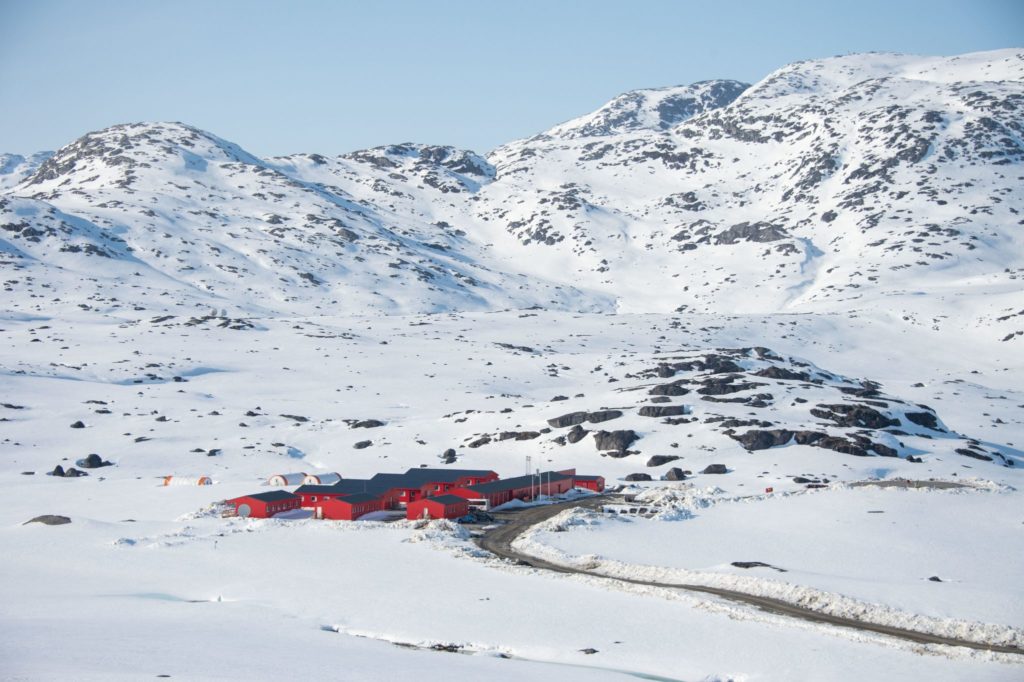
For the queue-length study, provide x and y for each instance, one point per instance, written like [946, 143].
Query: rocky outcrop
[615, 440]
[662, 410]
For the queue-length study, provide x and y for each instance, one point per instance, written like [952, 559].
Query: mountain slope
[852, 182]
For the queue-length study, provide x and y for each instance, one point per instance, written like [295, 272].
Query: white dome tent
[287, 479]
[329, 478]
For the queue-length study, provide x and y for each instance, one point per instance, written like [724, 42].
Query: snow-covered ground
[141, 579]
[877, 546]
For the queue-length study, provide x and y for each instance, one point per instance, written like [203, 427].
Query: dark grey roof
[274, 496]
[414, 478]
[446, 499]
[517, 482]
[359, 497]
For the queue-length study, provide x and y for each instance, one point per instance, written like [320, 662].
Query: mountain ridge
[829, 183]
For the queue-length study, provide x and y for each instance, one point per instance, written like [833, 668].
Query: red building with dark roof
[439, 507]
[265, 505]
[348, 508]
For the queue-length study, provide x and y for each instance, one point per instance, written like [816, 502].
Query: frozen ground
[141, 580]
[880, 546]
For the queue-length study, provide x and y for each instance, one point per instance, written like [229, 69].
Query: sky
[335, 76]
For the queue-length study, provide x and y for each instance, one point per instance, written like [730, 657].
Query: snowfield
[814, 279]
[880, 547]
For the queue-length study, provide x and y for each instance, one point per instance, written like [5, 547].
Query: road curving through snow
[499, 541]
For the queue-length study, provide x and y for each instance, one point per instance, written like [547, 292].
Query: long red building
[423, 492]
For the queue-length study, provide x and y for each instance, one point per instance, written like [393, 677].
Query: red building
[595, 483]
[265, 505]
[439, 507]
[348, 508]
[494, 493]
[415, 484]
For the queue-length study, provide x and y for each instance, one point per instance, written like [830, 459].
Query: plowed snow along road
[498, 541]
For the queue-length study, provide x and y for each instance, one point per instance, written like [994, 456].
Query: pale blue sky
[330, 77]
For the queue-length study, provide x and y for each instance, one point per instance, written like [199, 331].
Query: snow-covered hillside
[849, 182]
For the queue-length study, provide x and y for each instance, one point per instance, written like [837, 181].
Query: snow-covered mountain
[829, 184]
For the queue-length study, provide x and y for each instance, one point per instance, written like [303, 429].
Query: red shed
[265, 505]
[440, 507]
[595, 483]
[348, 508]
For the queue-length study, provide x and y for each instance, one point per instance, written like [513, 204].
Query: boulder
[93, 461]
[571, 419]
[638, 477]
[368, 424]
[661, 399]
[674, 388]
[49, 520]
[449, 456]
[715, 469]
[615, 440]
[659, 460]
[482, 440]
[363, 444]
[662, 410]
[675, 474]
[78, 425]
[576, 434]
[603, 416]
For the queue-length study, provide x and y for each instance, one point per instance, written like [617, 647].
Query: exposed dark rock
[762, 440]
[661, 399]
[774, 372]
[715, 469]
[367, 424]
[603, 416]
[576, 434]
[449, 456]
[974, 455]
[935, 579]
[674, 388]
[675, 474]
[296, 418]
[662, 410]
[57, 471]
[571, 419]
[925, 419]
[801, 480]
[757, 564]
[854, 416]
[752, 232]
[518, 435]
[559, 397]
[658, 460]
[213, 452]
[614, 440]
[93, 461]
[482, 440]
[49, 520]
[78, 425]
[725, 385]
[638, 477]
[363, 444]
